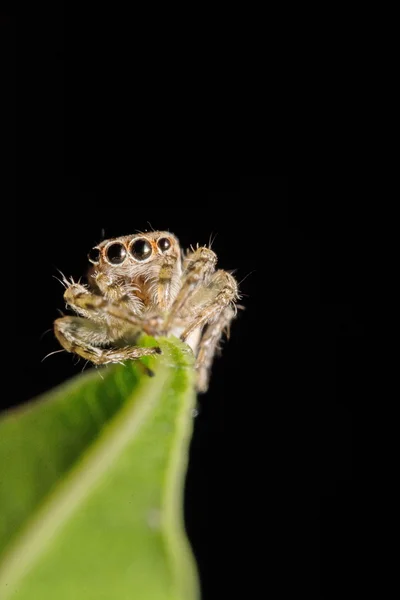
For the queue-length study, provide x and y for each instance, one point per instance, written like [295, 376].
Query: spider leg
[83, 337]
[221, 291]
[208, 346]
[98, 308]
[198, 268]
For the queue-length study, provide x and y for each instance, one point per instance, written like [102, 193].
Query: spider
[145, 283]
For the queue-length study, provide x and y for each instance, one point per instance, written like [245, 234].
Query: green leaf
[91, 486]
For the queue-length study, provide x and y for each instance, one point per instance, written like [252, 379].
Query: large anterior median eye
[141, 249]
[94, 256]
[116, 254]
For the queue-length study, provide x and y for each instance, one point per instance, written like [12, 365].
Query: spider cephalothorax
[144, 283]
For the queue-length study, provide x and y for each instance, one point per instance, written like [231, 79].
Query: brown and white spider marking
[145, 283]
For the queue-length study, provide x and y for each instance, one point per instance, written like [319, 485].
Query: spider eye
[141, 249]
[94, 256]
[116, 254]
[164, 244]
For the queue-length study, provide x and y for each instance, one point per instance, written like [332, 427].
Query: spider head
[127, 253]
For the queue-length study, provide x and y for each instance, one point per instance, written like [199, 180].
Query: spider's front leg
[85, 338]
[101, 323]
[211, 300]
[211, 307]
[118, 317]
[198, 268]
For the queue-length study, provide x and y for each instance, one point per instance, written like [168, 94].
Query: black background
[269, 497]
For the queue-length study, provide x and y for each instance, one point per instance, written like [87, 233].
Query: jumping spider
[145, 283]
